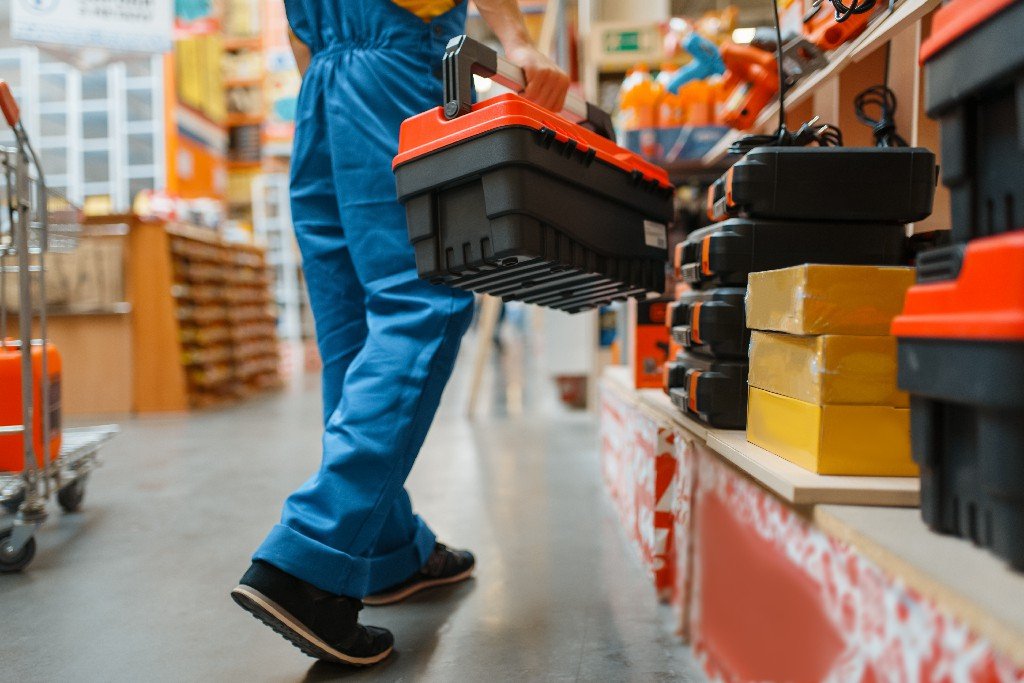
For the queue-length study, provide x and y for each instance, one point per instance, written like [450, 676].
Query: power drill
[750, 82]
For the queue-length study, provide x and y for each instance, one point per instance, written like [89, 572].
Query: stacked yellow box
[823, 391]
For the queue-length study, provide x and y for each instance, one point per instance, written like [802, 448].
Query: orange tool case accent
[506, 198]
[712, 322]
[711, 390]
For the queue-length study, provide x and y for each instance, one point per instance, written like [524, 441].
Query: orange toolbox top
[985, 301]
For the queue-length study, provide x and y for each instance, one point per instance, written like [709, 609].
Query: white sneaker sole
[287, 626]
[391, 598]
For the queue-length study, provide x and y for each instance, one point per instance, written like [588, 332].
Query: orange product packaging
[639, 98]
[12, 445]
[648, 341]
[671, 108]
[697, 100]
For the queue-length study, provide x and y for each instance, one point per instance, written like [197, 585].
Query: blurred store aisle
[136, 587]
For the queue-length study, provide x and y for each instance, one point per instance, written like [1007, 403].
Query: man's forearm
[506, 20]
[546, 84]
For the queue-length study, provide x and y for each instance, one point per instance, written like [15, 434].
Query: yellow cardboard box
[827, 369]
[832, 439]
[820, 299]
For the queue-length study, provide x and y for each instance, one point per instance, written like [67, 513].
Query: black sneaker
[321, 624]
[444, 566]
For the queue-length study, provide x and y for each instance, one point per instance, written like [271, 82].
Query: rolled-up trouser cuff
[313, 562]
[340, 573]
[398, 565]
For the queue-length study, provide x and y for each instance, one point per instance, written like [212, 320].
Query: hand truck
[33, 221]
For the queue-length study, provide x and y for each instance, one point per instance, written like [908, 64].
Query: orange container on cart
[12, 457]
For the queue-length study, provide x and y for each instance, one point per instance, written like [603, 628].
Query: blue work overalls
[388, 340]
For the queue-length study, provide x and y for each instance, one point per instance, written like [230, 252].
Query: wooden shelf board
[790, 482]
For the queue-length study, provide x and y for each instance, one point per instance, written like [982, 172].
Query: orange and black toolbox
[724, 254]
[712, 322]
[974, 74]
[711, 390]
[507, 198]
[874, 184]
[961, 358]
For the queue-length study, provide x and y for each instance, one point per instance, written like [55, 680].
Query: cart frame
[27, 204]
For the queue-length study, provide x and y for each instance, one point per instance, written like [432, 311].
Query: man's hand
[546, 84]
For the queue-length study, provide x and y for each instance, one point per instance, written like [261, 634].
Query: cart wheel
[12, 504]
[70, 497]
[15, 562]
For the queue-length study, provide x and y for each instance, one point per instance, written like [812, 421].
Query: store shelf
[903, 16]
[967, 581]
[201, 308]
[791, 483]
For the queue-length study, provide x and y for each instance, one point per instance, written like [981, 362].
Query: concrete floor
[135, 587]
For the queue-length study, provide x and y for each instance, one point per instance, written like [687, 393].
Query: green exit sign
[622, 41]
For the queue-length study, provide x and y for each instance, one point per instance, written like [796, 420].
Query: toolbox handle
[464, 57]
[8, 105]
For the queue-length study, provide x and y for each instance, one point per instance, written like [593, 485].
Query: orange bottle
[11, 454]
[698, 100]
[638, 99]
[671, 108]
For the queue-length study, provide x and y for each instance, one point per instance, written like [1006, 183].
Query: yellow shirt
[426, 9]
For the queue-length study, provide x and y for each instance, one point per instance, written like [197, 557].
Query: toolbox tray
[974, 71]
[726, 253]
[507, 198]
[710, 390]
[515, 213]
[961, 356]
[712, 322]
[878, 184]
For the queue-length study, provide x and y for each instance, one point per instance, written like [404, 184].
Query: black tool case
[961, 358]
[711, 390]
[509, 199]
[891, 184]
[712, 322]
[974, 85]
[725, 253]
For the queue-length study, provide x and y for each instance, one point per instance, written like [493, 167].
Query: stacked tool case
[961, 334]
[779, 207]
[506, 198]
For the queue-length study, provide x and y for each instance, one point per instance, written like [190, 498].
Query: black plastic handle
[464, 57]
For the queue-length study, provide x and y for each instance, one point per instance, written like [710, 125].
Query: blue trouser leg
[350, 528]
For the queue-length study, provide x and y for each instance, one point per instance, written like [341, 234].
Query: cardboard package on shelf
[832, 439]
[826, 299]
[827, 369]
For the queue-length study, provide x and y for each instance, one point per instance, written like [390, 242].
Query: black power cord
[882, 98]
[844, 11]
[883, 125]
[825, 135]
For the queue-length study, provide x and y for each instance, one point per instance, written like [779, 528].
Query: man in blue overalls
[388, 340]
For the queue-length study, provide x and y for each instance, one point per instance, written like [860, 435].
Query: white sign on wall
[121, 25]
